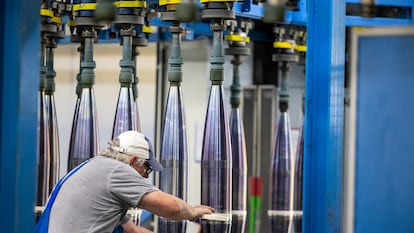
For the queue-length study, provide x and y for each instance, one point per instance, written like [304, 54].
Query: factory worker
[95, 196]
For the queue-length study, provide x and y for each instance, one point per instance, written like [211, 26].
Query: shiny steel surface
[53, 141]
[216, 162]
[126, 115]
[297, 205]
[135, 110]
[281, 179]
[84, 143]
[73, 130]
[174, 150]
[48, 141]
[174, 156]
[239, 170]
[43, 152]
[54, 159]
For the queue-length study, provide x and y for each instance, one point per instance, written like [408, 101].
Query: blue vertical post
[324, 116]
[19, 81]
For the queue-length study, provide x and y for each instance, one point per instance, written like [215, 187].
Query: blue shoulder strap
[43, 223]
[119, 229]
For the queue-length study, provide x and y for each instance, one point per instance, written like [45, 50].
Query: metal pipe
[85, 142]
[281, 213]
[126, 115]
[281, 180]
[54, 159]
[43, 134]
[239, 157]
[174, 150]
[216, 157]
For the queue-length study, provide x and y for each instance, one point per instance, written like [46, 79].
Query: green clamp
[216, 76]
[87, 78]
[235, 95]
[126, 78]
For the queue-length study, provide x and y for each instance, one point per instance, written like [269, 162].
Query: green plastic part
[273, 13]
[187, 12]
[105, 11]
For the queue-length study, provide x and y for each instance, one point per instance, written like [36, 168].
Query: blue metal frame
[325, 63]
[245, 9]
[297, 17]
[254, 12]
[19, 79]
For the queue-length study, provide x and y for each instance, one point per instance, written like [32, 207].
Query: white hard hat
[136, 144]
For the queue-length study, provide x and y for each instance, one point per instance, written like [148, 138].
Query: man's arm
[171, 207]
[130, 227]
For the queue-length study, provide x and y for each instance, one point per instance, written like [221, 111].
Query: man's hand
[201, 210]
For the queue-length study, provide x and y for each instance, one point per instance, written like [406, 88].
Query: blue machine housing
[247, 10]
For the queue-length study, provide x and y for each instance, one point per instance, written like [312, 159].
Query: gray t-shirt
[97, 196]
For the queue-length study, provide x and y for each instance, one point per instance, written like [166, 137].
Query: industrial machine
[351, 170]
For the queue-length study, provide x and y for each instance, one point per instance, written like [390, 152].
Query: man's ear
[132, 160]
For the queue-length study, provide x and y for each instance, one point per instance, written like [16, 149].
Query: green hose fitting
[283, 106]
[284, 90]
[217, 58]
[50, 72]
[175, 74]
[216, 76]
[42, 82]
[87, 74]
[235, 87]
[49, 82]
[87, 78]
[235, 95]
[126, 78]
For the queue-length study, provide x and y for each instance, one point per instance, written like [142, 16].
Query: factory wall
[106, 87]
